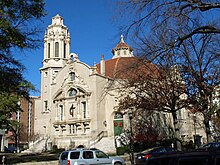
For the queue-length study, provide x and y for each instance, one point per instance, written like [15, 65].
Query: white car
[88, 157]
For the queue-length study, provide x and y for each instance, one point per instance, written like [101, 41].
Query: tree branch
[200, 30]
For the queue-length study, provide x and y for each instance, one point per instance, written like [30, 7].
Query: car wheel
[117, 163]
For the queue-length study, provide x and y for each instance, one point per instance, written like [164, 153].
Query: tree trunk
[16, 141]
[176, 131]
[207, 128]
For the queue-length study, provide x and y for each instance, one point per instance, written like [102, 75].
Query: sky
[92, 29]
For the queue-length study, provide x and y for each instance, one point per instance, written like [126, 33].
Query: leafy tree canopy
[16, 31]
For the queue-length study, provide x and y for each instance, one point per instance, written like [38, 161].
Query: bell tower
[56, 56]
[56, 43]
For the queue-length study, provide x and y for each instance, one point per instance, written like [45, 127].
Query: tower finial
[122, 39]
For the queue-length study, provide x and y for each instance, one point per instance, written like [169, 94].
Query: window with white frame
[48, 50]
[61, 112]
[45, 105]
[57, 49]
[64, 50]
[84, 108]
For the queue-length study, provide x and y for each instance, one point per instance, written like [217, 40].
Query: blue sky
[92, 29]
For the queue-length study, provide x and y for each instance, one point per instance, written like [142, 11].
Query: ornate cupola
[56, 41]
[122, 49]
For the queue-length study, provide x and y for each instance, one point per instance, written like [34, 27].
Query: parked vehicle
[88, 156]
[143, 157]
[10, 149]
[186, 158]
[210, 146]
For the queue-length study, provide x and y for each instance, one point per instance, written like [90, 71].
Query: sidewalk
[55, 162]
[50, 163]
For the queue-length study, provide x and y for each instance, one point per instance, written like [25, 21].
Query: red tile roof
[128, 67]
[122, 45]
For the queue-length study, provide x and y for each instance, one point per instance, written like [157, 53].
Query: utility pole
[130, 115]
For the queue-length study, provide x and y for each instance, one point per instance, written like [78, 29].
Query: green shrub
[55, 147]
[122, 150]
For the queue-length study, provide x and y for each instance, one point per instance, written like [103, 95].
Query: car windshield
[64, 156]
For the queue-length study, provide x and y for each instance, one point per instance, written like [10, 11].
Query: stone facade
[75, 107]
[2, 140]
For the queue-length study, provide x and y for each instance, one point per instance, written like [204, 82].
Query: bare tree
[157, 13]
[184, 34]
[200, 68]
[149, 88]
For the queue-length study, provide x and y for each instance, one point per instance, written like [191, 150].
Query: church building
[74, 108]
[77, 107]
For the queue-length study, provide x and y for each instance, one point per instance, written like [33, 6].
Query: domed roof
[124, 65]
[127, 67]
[122, 44]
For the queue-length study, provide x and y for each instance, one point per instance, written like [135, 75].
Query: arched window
[72, 76]
[56, 49]
[72, 92]
[48, 50]
[64, 51]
